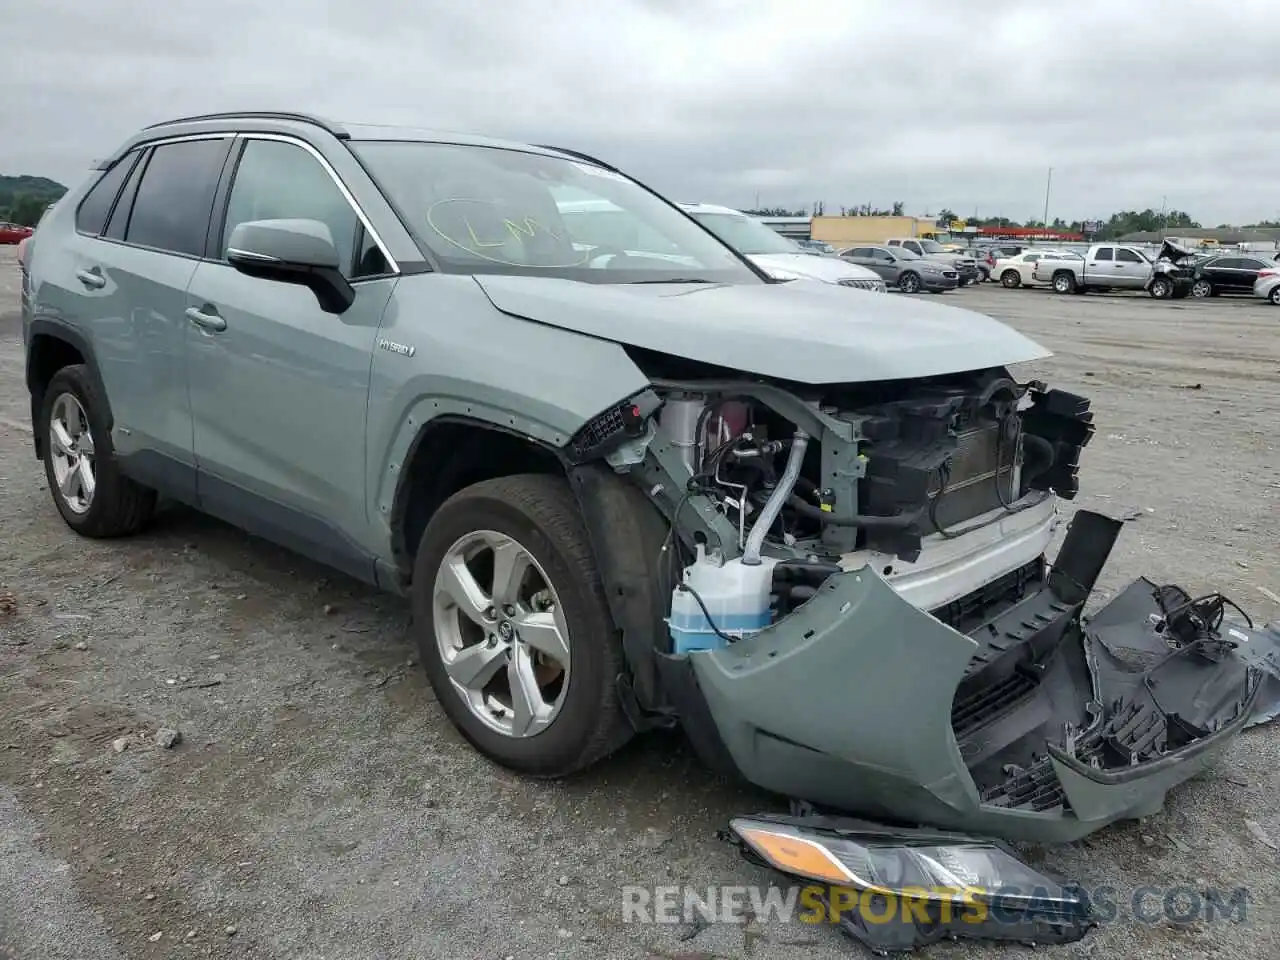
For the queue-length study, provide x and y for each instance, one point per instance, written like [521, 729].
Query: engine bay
[772, 488]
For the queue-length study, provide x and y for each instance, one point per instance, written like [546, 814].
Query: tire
[117, 506]
[1011, 279]
[540, 515]
[1161, 288]
[1201, 289]
[1275, 296]
[909, 283]
[1064, 282]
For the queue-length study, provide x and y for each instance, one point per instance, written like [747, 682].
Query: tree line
[24, 198]
[1117, 224]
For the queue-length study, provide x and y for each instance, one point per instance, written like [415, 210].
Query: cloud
[932, 103]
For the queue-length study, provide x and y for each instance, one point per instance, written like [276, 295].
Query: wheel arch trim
[60, 330]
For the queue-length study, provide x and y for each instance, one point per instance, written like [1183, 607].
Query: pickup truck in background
[1106, 266]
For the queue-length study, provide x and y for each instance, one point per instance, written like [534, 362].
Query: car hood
[1174, 252]
[804, 332]
[827, 269]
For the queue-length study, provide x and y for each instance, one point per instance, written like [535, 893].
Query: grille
[876, 285]
[950, 274]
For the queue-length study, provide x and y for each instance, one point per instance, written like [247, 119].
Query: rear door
[1101, 266]
[279, 388]
[1248, 274]
[134, 277]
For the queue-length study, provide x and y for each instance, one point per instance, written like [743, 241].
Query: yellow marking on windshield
[519, 229]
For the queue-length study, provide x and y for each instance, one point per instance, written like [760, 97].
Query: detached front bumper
[1022, 721]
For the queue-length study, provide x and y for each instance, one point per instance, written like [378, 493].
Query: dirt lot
[319, 806]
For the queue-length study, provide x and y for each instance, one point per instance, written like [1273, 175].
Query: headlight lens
[935, 868]
[897, 890]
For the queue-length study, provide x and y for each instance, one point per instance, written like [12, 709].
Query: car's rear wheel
[93, 496]
[909, 283]
[1064, 282]
[1275, 296]
[1011, 279]
[514, 629]
[1201, 288]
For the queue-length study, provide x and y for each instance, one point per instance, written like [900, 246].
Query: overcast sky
[959, 104]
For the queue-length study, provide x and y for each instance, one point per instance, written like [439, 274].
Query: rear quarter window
[91, 215]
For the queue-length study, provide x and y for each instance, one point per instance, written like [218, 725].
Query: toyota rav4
[622, 486]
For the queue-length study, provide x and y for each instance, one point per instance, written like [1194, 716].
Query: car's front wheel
[909, 283]
[514, 629]
[1275, 296]
[1162, 288]
[93, 496]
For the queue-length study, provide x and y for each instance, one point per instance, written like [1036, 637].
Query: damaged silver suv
[623, 488]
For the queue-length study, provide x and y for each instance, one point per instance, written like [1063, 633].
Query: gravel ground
[320, 806]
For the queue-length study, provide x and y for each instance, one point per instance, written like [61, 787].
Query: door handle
[90, 278]
[209, 321]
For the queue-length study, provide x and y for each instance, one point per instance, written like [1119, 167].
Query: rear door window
[91, 216]
[175, 196]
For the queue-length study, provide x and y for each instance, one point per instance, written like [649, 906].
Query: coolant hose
[773, 507]
[898, 521]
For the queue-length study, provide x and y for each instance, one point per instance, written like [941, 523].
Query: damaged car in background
[643, 484]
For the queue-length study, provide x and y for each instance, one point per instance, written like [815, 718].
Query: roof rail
[328, 125]
[580, 155]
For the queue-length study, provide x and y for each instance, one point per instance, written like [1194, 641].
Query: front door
[1132, 269]
[279, 388]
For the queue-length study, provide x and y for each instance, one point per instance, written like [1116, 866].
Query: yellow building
[843, 231]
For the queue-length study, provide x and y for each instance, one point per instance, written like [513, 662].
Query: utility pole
[1164, 220]
[1048, 182]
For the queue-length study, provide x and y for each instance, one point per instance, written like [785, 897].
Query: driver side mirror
[292, 251]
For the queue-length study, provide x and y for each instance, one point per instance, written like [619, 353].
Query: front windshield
[905, 254]
[932, 246]
[486, 210]
[747, 236]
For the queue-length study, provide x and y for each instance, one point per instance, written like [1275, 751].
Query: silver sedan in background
[1267, 286]
[904, 269]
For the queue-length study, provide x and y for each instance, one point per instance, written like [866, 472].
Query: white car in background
[1015, 271]
[777, 256]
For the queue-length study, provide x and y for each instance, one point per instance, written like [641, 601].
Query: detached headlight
[894, 889]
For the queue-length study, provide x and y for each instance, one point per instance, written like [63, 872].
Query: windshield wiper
[673, 280]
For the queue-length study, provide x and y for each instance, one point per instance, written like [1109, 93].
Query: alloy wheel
[1201, 288]
[501, 633]
[72, 449]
